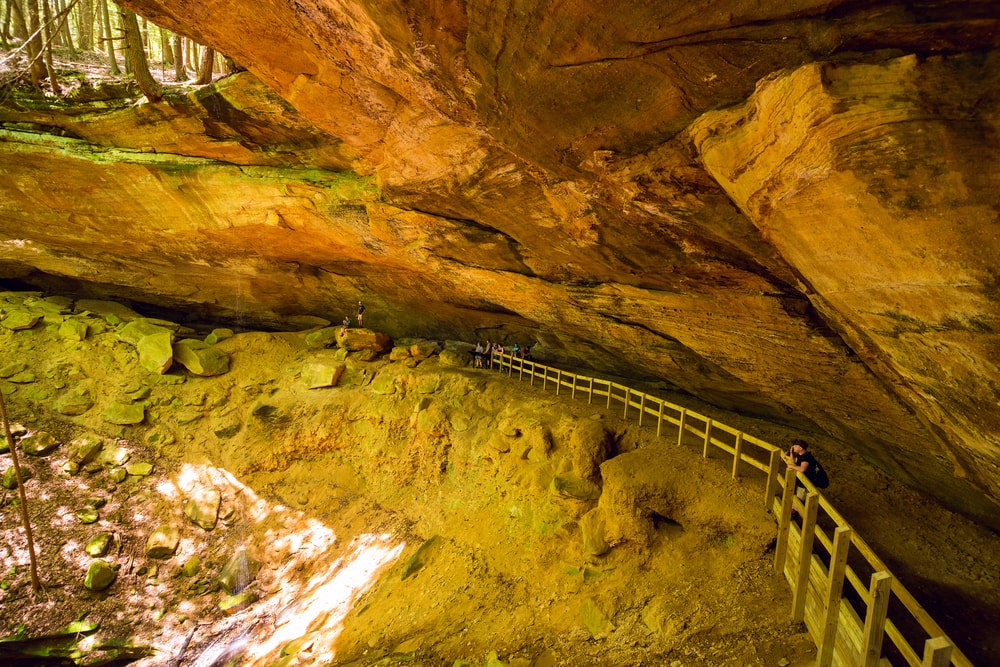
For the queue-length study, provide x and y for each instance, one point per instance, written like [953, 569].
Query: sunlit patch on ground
[296, 601]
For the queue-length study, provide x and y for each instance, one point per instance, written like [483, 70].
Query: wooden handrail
[938, 648]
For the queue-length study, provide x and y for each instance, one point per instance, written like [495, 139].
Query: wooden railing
[824, 561]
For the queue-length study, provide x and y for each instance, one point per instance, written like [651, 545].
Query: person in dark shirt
[801, 459]
[361, 314]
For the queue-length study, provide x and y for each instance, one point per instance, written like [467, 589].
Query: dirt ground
[420, 513]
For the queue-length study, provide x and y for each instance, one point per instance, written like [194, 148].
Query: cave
[782, 221]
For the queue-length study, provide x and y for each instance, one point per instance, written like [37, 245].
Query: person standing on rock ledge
[361, 314]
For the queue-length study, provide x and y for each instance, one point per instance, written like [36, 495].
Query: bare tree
[85, 25]
[180, 71]
[109, 38]
[137, 56]
[51, 32]
[205, 66]
[36, 585]
[35, 45]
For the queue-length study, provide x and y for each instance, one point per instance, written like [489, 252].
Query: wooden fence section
[822, 558]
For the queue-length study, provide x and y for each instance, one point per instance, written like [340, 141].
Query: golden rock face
[792, 213]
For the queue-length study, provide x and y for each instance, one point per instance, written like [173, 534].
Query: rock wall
[792, 212]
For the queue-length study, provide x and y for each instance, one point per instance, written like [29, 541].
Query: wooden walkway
[856, 611]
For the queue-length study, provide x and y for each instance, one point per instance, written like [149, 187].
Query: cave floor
[406, 517]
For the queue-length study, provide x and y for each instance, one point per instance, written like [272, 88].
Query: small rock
[99, 544]
[88, 515]
[234, 603]
[100, 575]
[9, 480]
[203, 508]
[139, 469]
[191, 566]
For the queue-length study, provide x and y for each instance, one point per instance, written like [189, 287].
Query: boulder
[156, 352]
[238, 572]
[17, 320]
[218, 334]
[73, 329]
[354, 340]
[202, 508]
[109, 310]
[74, 402]
[318, 375]
[13, 369]
[162, 542]
[9, 479]
[136, 330]
[200, 358]
[38, 444]
[124, 413]
[100, 575]
[324, 337]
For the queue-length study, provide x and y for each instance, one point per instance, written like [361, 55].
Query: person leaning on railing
[801, 459]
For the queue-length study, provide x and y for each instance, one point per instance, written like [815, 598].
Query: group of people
[482, 356]
[347, 320]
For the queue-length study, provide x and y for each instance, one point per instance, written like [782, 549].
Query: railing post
[510, 368]
[545, 377]
[609, 396]
[682, 426]
[738, 455]
[772, 479]
[590, 393]
[573, 393]
[878, 606]
[708, 437]
[520, 369]
[781, 545]
[558, 380]
[628, 397]
[937, 652]
[834, 593]
[532, 381]
[659, 419]
[642, 408]
[805, 557]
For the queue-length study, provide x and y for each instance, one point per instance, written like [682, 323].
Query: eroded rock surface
[789, 211]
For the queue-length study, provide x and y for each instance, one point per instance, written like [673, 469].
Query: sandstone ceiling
[791, 210]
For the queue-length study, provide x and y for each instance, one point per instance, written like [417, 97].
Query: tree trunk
[4, 34]
[206, 66]
[109, 38]
[51, 32]
[137, 56]
[180, 72]
[67, 34]
[36, 585]
[20, 25]
[35, 46]
[85, 25]
[165, 48]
